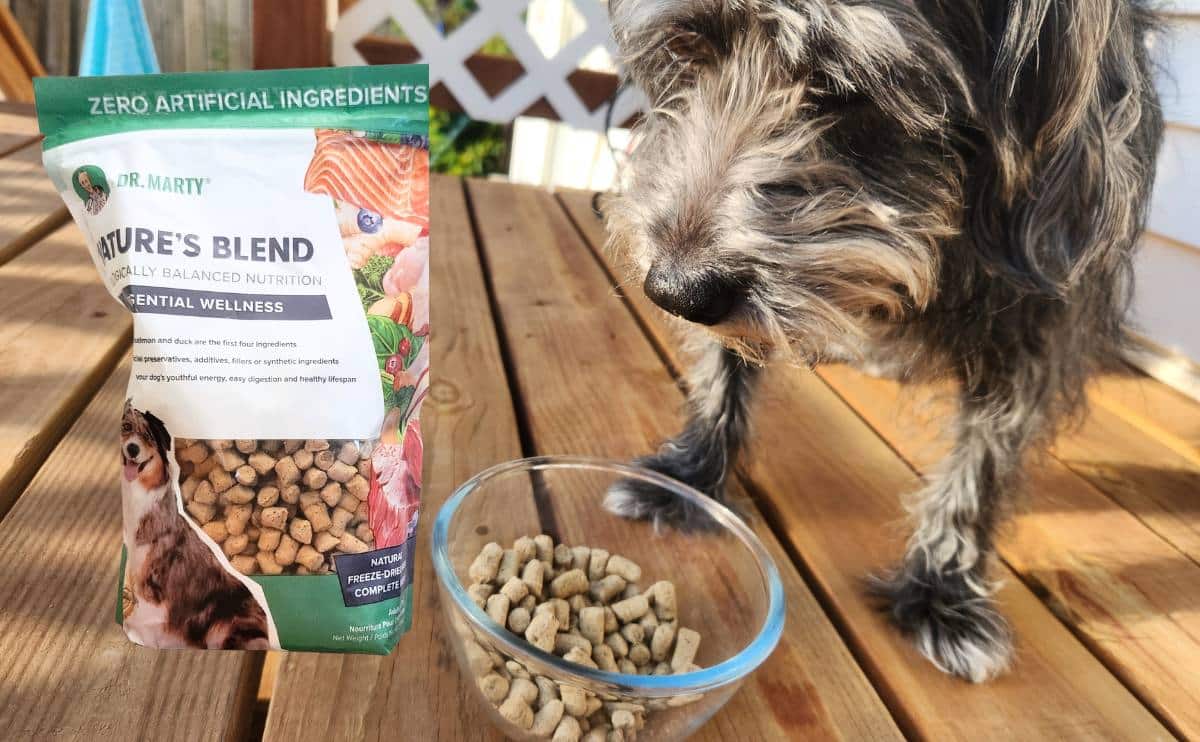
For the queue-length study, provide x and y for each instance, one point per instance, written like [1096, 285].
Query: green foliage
[371, 274]
[459, 145]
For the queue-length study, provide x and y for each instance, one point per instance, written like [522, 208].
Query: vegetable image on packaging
[269, 234]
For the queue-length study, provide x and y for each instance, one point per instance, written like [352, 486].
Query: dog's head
[145, 443]
[807, 165]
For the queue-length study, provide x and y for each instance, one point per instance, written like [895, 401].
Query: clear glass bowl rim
[707, 679]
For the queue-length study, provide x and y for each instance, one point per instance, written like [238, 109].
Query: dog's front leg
[720, 387]
[941, 595]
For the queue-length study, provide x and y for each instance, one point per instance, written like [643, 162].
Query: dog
[939, 188]
[177, 594]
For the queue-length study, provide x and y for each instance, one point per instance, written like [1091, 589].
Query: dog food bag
[269, 234]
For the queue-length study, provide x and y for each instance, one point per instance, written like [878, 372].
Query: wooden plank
[1157, 484]
[469, 424]
[30, 208]
[62, 334]
[1157, 410]
[592, 385]
[1122, 596]
[291, 33]
[835, 497]
[67, 671]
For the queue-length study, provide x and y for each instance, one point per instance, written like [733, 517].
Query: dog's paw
[640, 500]
[956, 627]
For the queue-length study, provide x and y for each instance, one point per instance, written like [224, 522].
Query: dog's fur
[938, 187]
[177, 593]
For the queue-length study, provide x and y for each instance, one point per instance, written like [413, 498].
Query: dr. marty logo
[91, 187]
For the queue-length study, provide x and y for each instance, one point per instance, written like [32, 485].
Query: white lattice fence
[544, 77]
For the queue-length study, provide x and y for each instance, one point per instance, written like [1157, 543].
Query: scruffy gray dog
[939, 188]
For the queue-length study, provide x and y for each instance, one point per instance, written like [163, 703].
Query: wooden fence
[188, 34]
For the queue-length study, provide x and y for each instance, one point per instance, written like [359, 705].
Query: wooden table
[536, 350]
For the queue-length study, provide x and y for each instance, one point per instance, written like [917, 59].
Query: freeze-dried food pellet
[515, 669]
[565, 642]
[662, 595]
[525, 549]
[352, 544]
[497, 608]
[639, 654]
[542, 631]
[494, 687]
[310, 557]
[580, 656]
[607, 588]
[611, 623]
[633, 633]
[268, 539]
[247, 565]
[325, 541]
[480, 593]
[602, 655]
[563, 556]
[597, 560]
[518, 620]
[579, 557]
[266, 563]
[533, 575]
[631, 609]
[568, 730]
[285, 555]
[687, 642]
[301, 530]
[515, 589]
[569, 584]
[617, 644]
[358, 486]
[342, 472]
[543, 547]
[517, 711]
[348, 454]
[591, 624]
[626, 569]
[662, 641]
[246, 475]
[487, 563]
[547, 690]
[303, 458]
[547, 718]
[287, 471]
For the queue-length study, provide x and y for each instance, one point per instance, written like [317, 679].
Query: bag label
[376, 575]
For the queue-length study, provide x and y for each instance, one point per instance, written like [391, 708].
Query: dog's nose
[132, 450]
[703, 297]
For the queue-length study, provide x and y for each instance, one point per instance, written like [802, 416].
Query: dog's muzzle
[702, 296]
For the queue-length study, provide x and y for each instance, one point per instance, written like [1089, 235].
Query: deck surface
[539, 349]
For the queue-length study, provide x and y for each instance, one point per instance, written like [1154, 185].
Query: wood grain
[1159, 411]
[1132, 600]
[833, 491]
[62, 335]
[468, 423]
[67, 671]
[1155, 483]
[592, 385]
[290, 33]
[30, 208]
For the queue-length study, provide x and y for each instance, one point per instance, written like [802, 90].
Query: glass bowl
[727, 589]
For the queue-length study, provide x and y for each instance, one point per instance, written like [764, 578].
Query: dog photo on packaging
[928, 189]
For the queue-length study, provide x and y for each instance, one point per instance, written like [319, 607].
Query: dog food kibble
[279, 507]
[584, 605]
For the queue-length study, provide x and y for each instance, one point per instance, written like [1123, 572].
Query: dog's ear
[1066, 102]
[162, 439]
[661, 43]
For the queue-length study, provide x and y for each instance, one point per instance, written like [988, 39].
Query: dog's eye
[783, 190]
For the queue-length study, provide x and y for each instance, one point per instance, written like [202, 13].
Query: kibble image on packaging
[269, 234]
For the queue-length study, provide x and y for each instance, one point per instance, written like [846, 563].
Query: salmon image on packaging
[389, 178]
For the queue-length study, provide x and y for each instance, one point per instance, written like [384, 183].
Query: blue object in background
[117, 40]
